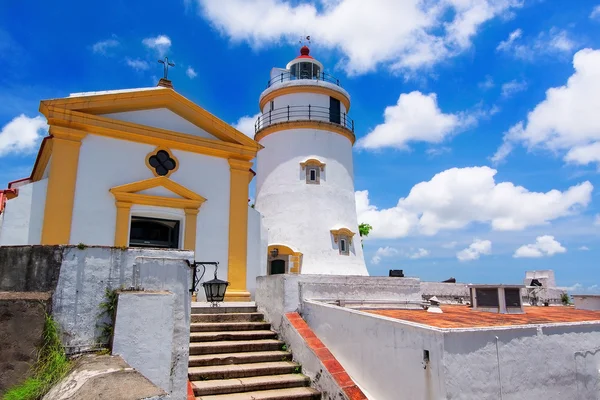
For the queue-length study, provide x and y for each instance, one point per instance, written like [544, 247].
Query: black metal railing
[287, 76]
[304, 113]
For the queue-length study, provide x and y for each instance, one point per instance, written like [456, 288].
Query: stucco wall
[95, 206]
[30, 268]
[304, 99]
[301, 215]
[545, 362]
[257, 250]
[24, 215]
[383, 356]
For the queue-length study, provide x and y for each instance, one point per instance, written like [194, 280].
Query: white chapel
[149, 168]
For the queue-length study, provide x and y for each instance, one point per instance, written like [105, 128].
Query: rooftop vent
[397, 273]
[502, 299]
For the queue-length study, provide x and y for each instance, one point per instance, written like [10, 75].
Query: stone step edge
[291, 393]
[253, 383]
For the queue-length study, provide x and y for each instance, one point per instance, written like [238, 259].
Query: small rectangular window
[487, 297]
[313, 175]
[512, 297]
[344, 250]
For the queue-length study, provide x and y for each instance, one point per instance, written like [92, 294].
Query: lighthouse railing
[304, 113]
[288, 76]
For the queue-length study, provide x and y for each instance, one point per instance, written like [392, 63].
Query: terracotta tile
[298, 324]
[190, 391]
[343, 379]
[354, 393]
[315, 343]
[293, 315]
[333, 366]
[306, 333]
[324, 354]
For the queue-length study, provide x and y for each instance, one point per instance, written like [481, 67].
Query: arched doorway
[277, 267]
[283, 260]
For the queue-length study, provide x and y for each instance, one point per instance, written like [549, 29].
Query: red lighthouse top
[304, 51]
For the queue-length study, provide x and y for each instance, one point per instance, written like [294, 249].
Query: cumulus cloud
[595, 14]
[137, 64]
[420, 253]
[567, 121]
[246, 125]
[383, 252]
[190, 72]
[551, 43]
[544, 246]
[487, 84]
[402, 35]
[22, 135]
[578, 288]
[415, 117]
[512, 87]
[475, 250]
[457, 197]
[160, 44]
[583, 248]
[103, 46]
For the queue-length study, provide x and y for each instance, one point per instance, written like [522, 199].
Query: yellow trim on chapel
[126, 196]
[313, 162]
[60, 193]
[322, 125]
[238, 230]
[305, 89]
[342, 232]
[295, 259]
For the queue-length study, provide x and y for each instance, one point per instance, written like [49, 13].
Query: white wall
[301, 215]
[257, 250]
[302, 99]
[161, 118]
[383, 356]
[24, 215]
[545, 362]
[105, 163]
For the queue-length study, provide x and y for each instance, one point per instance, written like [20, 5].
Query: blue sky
[451, 182]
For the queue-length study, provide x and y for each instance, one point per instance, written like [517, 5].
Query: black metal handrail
[288, 76]
[303, 113]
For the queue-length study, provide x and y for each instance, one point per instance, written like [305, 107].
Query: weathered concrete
[29, 268]
[587, 301]
[104, 377]
[22, 317]
[143, 334]
[279, 294]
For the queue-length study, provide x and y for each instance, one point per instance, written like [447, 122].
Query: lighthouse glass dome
[305, 70]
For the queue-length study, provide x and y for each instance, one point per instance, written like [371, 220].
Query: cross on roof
[166, 64]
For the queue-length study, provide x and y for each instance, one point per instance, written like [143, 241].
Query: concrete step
[231, 335]
[242, 370]
[237, 317]
[300, 393]
[229, 326]
[254, 383]
[239, 358]
[223, 309]
[234, 346]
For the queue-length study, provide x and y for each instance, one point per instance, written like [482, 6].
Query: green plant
[51, 365]
[565, 298]
[298, 369]
[81, 246]
[284, 347]
[364, 229]
[108, 310]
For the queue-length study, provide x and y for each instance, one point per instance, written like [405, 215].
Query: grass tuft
[52, 364]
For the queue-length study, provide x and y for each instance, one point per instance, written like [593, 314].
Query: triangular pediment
[158, 191]
[160, 108]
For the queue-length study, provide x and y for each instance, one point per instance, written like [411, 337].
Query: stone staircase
[234, 355]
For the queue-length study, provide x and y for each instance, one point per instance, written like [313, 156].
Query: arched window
[343, 238]
[313, 168]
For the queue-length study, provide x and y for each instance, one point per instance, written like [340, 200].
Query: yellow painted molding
[153, 153]
[321, 125]
[42, 160]
[122, 130]
[305, 89]
[60, 193]
[237, 295]
[160, 181]
[342, 232]
[238, 227]
[109, 103]
[313, 162]
[191, 218]
[122, 227]
[66, 133]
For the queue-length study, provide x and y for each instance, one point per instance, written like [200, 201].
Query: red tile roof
[459, 316]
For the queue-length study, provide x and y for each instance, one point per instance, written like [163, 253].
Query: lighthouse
[305, 177]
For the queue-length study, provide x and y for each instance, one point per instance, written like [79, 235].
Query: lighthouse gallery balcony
[330, 115]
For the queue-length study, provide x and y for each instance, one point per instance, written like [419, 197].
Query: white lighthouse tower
[305, 178]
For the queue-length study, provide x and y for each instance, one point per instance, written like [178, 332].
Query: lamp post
[215, 289]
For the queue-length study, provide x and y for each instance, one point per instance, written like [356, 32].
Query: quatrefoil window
[162, 162]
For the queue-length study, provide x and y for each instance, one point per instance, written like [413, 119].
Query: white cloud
[437, 151]
[551, 43]
[583, 248]
[567, 120]
[22, 135]
[420, 253]
[512, 87]
[191, 73]
[475, 250]
[137, 64]
[544, 246]
[383, 252]
[246, 125]
[595, 14]
[449, 245]
[578, 288]
[487, 84]
[160, 44]
[402, 35]
[457, 197]
[103, 46]
[416, 117]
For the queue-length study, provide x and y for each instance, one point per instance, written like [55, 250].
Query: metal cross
[166, 64]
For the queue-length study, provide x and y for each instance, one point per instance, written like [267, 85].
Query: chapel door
[277, 267]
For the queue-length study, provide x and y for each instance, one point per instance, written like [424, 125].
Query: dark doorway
[277, 267]
[334, 111]
[154, 232]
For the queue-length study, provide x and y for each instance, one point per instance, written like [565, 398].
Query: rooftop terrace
[459, 316]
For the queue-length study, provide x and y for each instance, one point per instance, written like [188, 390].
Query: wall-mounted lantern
[215, 289]
[275, 252]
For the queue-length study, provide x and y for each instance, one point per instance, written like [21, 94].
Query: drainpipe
[499, 373]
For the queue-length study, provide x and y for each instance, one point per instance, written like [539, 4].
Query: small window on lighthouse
[312, 175]
[344, 247]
